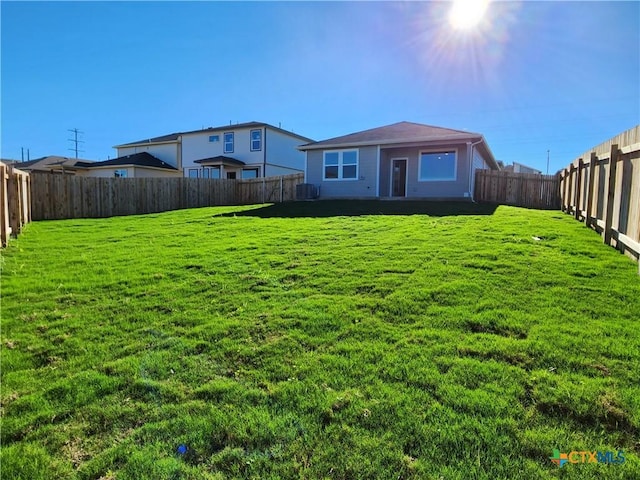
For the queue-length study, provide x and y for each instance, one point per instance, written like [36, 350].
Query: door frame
[406, 176]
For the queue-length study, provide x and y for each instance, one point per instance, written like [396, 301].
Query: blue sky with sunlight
[532, 76]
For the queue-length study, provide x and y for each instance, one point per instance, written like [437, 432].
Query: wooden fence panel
[607, 191]
[15, 200]
[518, 189]
[66, 196]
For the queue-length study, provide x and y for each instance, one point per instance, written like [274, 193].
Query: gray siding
[417, 189]
[364, 186]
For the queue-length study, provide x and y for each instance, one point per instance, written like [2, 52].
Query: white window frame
[340, 165]
[439, 150]
[232, 142]
[259, 130]
[214, 138]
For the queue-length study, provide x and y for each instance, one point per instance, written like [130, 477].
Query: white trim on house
[340, 165]
[378, 172]
[439, 150]
[406, 176]
[306, 154]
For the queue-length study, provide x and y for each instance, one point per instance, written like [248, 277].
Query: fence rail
[518, 189]
[602, 189]
[15, 201]
[64, 196]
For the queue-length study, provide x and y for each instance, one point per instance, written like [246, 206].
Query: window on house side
[228, 142]
[340, 165]
[120, 173]
[214, 138]
[437, 166]
[256, 140]
[215, 172]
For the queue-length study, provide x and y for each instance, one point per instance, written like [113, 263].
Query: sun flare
[466, 14]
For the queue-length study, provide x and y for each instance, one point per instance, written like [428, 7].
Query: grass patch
[318, 340]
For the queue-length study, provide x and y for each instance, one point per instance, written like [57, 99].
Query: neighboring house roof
[220, 160]
[401, 132]
[141, 159]
[172, 137]
[52, 162]
[522, 168]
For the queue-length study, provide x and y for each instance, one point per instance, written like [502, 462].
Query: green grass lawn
[318, 340]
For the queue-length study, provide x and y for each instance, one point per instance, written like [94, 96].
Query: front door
[399, 177]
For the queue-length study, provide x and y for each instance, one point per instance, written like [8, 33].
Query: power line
[75, 140]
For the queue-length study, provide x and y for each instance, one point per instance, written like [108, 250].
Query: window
[193, 173]
[214, 138]
[228, 142]
[205, 172]
[120, 173]
[256, 140]
[437, 166]
[341, 165]
[215, 172]
[250, 173]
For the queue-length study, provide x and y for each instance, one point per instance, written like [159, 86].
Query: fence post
[4, 198]
[592, 176]
[570, 189]
[565, 195]
[281, 190]
[611, 193]
[578, 188]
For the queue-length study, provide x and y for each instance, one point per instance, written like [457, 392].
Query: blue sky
[533, 76]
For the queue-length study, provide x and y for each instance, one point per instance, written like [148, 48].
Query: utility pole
[75, 140]
[547, 162]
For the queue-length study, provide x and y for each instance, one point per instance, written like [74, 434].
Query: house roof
[142, 159]
[401, 132]
[51, 162]
[220, 160]
[173, 137]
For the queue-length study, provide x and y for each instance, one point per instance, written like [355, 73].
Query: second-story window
[256, 140]
[228, 142]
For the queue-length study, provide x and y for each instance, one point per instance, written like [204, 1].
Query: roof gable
[401, 132]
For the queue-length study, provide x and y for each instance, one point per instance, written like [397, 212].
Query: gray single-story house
[402, 160]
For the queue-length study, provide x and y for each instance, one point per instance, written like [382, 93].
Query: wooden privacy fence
[66, 196]
[602, 188]
[15, 201]
[518, 189]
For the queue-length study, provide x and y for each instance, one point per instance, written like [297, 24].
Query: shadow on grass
[353, 208]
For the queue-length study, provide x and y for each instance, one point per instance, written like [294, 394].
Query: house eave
[400, 142]
[145, 144]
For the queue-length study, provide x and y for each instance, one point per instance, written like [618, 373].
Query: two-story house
[246, 150]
